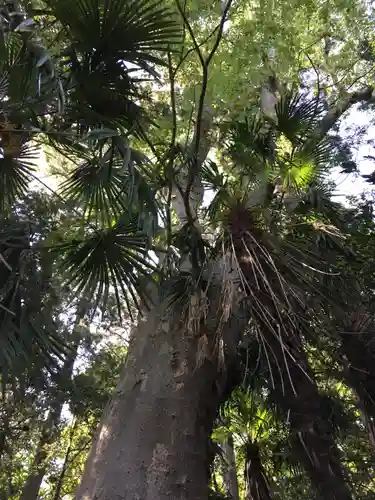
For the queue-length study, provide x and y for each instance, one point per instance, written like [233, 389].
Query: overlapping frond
[26, 324]
[298, 115]
[131, 30]
[109, 261]
[112, 47]
[17, 164]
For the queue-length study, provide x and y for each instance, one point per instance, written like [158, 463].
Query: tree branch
[329, 120]
[168, 172]
[199, 158]
[191, 32]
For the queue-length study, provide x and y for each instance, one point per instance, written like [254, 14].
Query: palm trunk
[297, 395]
[358, 349]
[257, 485]
[152, 443]
[230, 469]
[295, 390]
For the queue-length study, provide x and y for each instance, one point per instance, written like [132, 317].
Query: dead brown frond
[196, 313]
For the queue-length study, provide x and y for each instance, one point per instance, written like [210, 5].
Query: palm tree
[44, 97]
[250, 426]
[268, 264]
[266, 189]
[248, 269]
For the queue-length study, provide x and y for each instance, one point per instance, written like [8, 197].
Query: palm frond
[109, 260]
[98, 186]
[22, 338]
[131, 31]
[26, 328]
[297, 115]
[251, 142]
[211, 176]
[16, 167]
[114, 45]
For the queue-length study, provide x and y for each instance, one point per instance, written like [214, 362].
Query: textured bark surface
[312, 440]
[291, 379]
[230, 470]
[152, 443]
[358, 350]
[257, 485]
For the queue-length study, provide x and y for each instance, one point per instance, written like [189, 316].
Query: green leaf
[109, 260]
[101, 133]
[131, 30]
[15, 171]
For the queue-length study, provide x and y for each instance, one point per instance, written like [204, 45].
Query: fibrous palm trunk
[297, 395]
[152, 443]
[358, 349]
[295, 390]
[257, 485]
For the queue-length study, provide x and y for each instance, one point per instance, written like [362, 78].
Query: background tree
[152, 107]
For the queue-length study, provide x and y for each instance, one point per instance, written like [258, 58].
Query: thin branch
[168, 172]
[331, 117]
[205, 76]
[198, 131]
[183, 58]
[316, 72]
[191, 32]
[172, 75]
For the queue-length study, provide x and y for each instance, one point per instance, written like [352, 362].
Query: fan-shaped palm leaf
[297, 115]
[16, 167]
[98, 185]
[127, 29]
[109, 260]
[251, 143]
[109, 40]
[25, 328]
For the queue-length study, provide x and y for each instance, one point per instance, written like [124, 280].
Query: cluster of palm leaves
[75, 75]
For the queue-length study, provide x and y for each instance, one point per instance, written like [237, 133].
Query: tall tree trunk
[358, 349]
[230, 468]
[295, 389]
[297, 395]
[257, 485]
[152, 443]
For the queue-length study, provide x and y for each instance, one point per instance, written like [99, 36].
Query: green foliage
[119, 90]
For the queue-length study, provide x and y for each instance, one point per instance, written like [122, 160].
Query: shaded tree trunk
[293, 385]
[230, 468]
[257, 485]
[153, 441]
[358, 349]
[312, 439]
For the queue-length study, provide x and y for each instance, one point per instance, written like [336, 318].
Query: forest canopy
[186, 292]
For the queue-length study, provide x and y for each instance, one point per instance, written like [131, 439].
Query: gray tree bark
[153, 441]
[230, 472]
